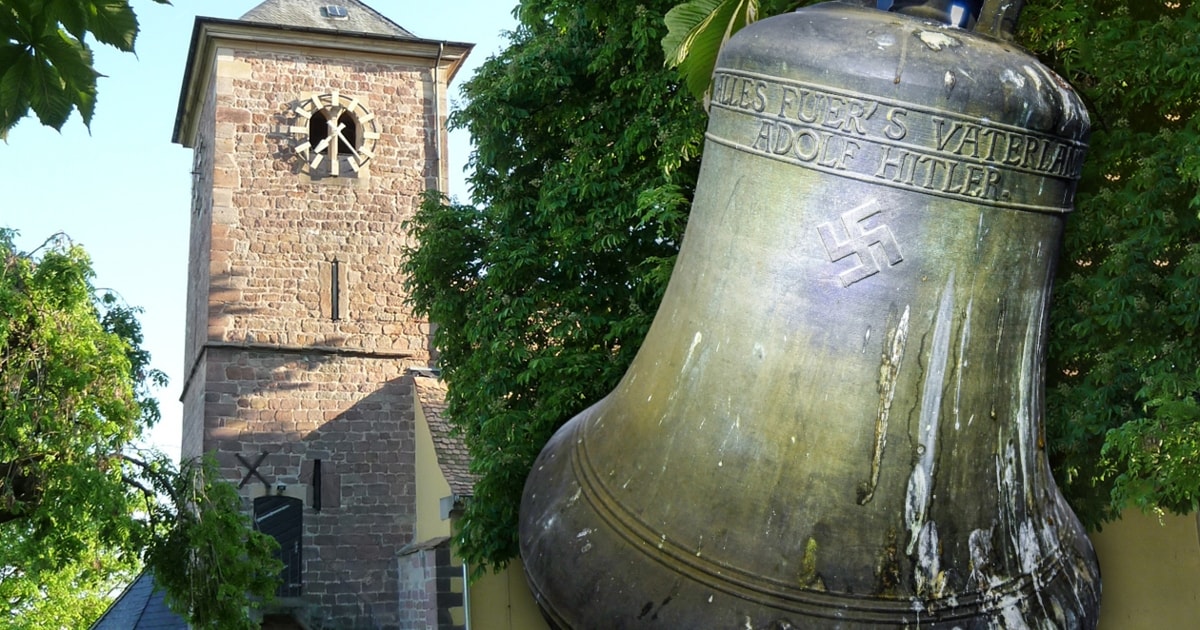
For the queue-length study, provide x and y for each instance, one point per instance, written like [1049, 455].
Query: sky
[123, 191]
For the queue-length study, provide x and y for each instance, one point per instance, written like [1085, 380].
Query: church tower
[315, 128]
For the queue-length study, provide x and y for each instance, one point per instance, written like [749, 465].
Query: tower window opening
[318, 129]
[347, 139]
[349, 134]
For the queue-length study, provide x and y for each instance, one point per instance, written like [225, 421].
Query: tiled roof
[140, 607]
[452, 454]
[325, 14]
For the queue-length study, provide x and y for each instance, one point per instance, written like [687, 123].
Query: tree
[1123, 393]
[45, 59]
[70, 597]
[543, 286]
[79, 504]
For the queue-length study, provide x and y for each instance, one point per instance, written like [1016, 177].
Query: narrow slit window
[324, 484]
[333, 298]
[316, 485]
[335, 290]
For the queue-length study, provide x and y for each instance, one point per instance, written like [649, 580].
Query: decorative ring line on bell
[788, 597]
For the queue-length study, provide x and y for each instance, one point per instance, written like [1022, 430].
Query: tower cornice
[209, 34]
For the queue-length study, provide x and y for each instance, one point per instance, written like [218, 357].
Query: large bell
[835, 420]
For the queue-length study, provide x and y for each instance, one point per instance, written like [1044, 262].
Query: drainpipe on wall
[443, 186]
[450, 507]
[466, 596]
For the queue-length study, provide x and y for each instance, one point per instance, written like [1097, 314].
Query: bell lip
[561, 491]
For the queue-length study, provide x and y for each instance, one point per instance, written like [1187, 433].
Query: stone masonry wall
[431, 588]
[199, 261]
[418, 590]
[354, 415]
[271, 370]
[268, 255]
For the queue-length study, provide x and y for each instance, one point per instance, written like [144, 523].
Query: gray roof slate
[142, 606]
[360, 18]
[452, 454]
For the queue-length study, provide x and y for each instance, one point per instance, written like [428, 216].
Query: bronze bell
[835, 420]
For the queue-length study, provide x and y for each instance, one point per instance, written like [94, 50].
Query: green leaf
[113, 22]
[48, 96]
[18, 18]
[15, 83]
[72, 60]
[72, 14]
[696, 32]
[14, 30]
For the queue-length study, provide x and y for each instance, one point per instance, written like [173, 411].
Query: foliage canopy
[582, 172]
[45, 59]
[1123, 392]
[80, 506]
[585, 162]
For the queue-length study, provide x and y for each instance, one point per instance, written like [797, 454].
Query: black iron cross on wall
[252, 470]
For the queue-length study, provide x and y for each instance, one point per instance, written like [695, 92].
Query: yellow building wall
[431, 484]
[502, 601]
[499, 601]
[1150, 571]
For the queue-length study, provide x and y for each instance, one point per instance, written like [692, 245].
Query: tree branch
[163, 481]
